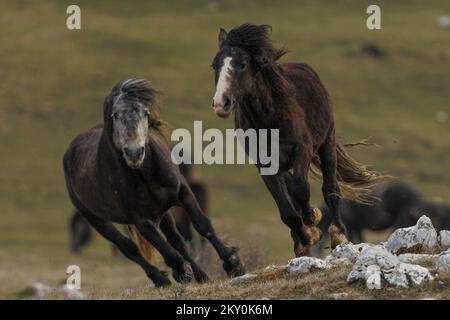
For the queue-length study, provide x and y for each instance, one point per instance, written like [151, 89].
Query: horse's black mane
[135, 90]
[254, 39]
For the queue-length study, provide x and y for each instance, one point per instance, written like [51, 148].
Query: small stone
[444, 21]
[70, 293]
[417, 275]
[339, 295]
[421, 238]
[274, 267]
[37, 289]
[444, 239]
[305, 264]
[243, 278]
[443, 263]
[373, 277]
[346, 250]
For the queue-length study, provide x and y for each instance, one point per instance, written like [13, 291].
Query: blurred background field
[53, 81]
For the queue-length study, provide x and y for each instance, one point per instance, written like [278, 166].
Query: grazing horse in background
[399, 205]
[265, 94]
[80, 231]
[121, 172]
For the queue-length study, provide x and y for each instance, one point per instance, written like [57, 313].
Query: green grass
[53, 82]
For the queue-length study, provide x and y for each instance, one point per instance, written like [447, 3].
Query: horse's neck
[254, 111]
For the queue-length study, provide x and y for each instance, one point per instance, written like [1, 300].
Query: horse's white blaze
[223, 84]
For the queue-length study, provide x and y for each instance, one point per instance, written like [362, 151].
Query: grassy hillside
[53, 82]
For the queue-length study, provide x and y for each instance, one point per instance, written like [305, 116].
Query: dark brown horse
[121, 172]
[265, 94]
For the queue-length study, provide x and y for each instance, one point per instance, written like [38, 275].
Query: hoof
[314, 233]
[233, 266]
[317, 216]
[201, 277]
[337, 236]
[187, 275]
[161, 280]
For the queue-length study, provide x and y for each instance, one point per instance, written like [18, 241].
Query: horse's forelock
[255, 40]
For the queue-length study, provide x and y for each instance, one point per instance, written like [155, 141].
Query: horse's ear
[222, 36]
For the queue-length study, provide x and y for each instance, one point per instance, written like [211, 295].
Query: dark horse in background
[399, 205]
[80, 231]
[265, 94]
[121, 172]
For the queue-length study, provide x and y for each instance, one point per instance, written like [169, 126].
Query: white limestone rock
[346, 253]
[417, 275]
[421, 238]
[373, 277]
[443, 262]
[444, 239]
[305, 264]
[376, 264]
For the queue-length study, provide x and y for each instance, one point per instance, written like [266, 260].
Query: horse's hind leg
[231, 262]
[128, 248]
[181, 270]
[169, 229]
[330, 189]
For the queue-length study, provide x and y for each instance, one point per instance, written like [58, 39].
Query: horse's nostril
[227, 102]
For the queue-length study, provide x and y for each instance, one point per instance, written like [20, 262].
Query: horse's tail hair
[356, 181]
[145, 248]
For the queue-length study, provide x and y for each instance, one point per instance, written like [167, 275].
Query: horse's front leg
[231, 262]
[289, 215]
[300, 191]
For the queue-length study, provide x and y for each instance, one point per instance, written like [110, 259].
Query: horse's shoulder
[299, 69]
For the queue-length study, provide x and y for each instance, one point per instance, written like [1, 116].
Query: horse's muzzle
[134, 156]
[223, 109]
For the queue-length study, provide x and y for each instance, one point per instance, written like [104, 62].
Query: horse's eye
[243, 66]
[115, 115]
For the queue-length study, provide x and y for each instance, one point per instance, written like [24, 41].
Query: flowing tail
[145, 248]
[356, 180]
